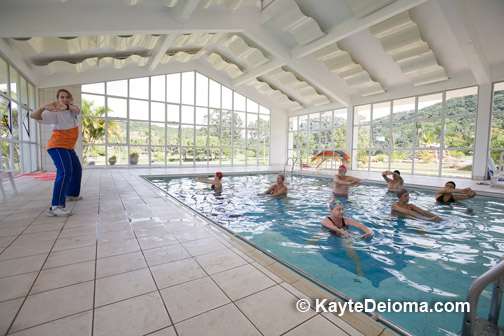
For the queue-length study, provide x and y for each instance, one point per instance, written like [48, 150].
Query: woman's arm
[52, 107]
[430, 215]
[205, 180]
[270, 189]
[330, 226]
[367, 233]
[406, 211]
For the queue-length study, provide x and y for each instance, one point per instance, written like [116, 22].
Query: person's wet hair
[397, 171]
[400, 192]
[451, 183]
[282, 176]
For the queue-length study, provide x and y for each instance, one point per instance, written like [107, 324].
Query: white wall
[46, 96]
[278, 145]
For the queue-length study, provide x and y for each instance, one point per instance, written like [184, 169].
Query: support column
[483, 127]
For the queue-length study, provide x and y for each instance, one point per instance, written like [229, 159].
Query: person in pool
[339, 224]
[342, 182]
[395, 182]
[403, 206]
[216, 182]
[445, 195]
[279, 188]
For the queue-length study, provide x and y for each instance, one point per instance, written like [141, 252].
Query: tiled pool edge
[307, 285]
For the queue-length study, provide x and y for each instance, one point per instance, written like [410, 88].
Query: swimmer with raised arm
[395, 182]
[403, 206]
[279, 188]
[337, 223]
[216, 182]
[445, 195]
[342, 182]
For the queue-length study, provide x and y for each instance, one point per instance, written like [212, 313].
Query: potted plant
[112, 160]
[133, 158]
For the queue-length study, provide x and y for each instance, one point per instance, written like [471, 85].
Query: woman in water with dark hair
[216, 182]
[445, 195]
[403, 206]
[339, 224]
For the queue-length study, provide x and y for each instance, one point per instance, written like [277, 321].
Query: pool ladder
[474, 325]
[294, 160]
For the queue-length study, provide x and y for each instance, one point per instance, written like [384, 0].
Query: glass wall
[18, 131]
[181, 119]
[424, 135]
[497, 132]
[312, 133]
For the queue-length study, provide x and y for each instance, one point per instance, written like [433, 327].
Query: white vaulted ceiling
[290, 55]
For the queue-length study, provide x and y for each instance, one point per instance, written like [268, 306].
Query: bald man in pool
[342, 182]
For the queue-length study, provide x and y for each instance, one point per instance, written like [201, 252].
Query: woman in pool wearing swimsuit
[445, 195]
[337, 223]
[403, 206]
[216, 182]
[279, 188]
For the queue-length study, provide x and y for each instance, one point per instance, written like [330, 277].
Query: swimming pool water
[405, 260]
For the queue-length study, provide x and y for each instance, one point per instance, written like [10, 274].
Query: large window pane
[403, 109]
[339, 138]
[158, 112]
[459, 132]
[139, 88]
[93, 88]
[117, 108]
[4, 78]
[93, 130]
[158, 156]
[379, 160]
[460, 102]
[252, 106]
[14, 83]
[303, 122]
[427, 162]
[239, 119]
[239, 102]
[158, 89]
[457, 163]
[117, 131]
[188, 88]
[340, 117]
[121, 154]
[497, 139]
[363, 136]
[215, 94]
[326, 120]
[157, 134]
[381, 112]
[139, 109]
[293, 123]
[314, 121]
[172, 134]
[362, 114]
[201, 90]
[187, 135]
[93, 105]
[187, 114]
[430, 106]
[361, 158]
[252, 120]
[93, 155]
[24, 91]
[173, 88]
[428, 134]
[139, 133]
[227, 98]
[401, 160]
[117, 88]
[143, 155]
[402, 135]
[381, 136]
[201, 115]
[173, 113]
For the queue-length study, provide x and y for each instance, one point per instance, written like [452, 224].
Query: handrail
[495, 274]
[294, 160]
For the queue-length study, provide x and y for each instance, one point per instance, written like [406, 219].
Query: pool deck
[131, 261]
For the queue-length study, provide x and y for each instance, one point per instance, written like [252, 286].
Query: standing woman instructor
[62, 116]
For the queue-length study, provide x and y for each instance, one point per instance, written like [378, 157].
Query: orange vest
[63, 138]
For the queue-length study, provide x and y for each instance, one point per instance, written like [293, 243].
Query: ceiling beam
[260, 70]
[354, 25]
[461, 24]
[160, 50]
[184, 10]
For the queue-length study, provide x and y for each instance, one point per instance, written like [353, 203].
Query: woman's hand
[366, 235]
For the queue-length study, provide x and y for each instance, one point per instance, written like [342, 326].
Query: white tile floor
[131, 261]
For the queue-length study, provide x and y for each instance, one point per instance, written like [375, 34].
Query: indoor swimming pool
[405, 260]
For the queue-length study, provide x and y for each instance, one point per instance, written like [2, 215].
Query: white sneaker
[73, 198]
[58, 211]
